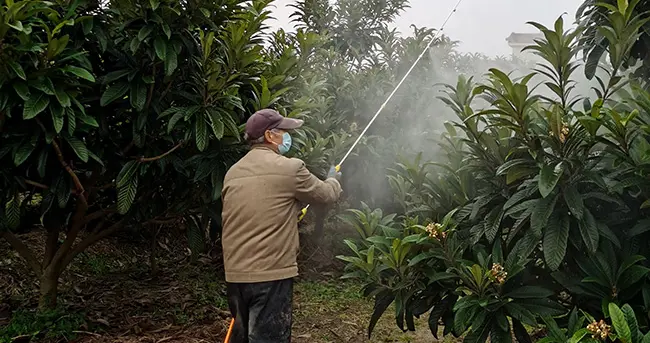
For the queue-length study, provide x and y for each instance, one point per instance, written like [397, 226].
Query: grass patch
[32, 325]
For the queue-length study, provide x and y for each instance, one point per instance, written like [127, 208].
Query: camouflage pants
[262, 311]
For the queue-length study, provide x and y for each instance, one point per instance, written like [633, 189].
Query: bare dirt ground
[109, 295]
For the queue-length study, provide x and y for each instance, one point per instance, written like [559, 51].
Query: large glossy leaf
[521, 334]
[138, 95]
[620, 324]
[114, 92]
[201, 133]
[589, 231]
[556, 236]
[541, 213]
[161, 48]
[126, 194]
[18, 69]
[382, 302]
[630, 318]
[529, 292]
[12, 212]
[35, 104]
[78, 147]
[24, 151]
[80, 72]
[574, 201]
[548, 178]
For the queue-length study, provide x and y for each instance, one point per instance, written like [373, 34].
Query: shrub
[538, 207]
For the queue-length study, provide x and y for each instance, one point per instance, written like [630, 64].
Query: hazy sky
[480, 25]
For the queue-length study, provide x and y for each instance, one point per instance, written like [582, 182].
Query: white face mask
[284, 148]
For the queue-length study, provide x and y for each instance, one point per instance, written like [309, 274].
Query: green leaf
[114, 92]
[79, 148]
[144, 32]
[548, 178]
[521, 334]
[62, 191]
[201, 133]
[529, 292]
[382, 301]
[25, 150]
[72, 121]
[556, 237]
[88, 120]
[127, 173]
[640, 228]
[17, 69]
[493, 223]
[174, 119]
[620, 324]
[632, 275]
[541, 213]
[63, 97]
[80, 72]
[630, 317]
[573, 199]
[579, 335]
[196, 238]
[43, 84]
[36, 104]
[589, 231]
[216, 124]
[57, 118]
[115, 75]
[22, 90]
[167, 30]
[12, 212]
[171, 62]
[42, 162]
[646, 338]
[126, 194]
[161, 48]
[138, 95]
[95, 158]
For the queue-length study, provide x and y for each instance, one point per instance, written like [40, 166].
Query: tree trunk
[48, 291]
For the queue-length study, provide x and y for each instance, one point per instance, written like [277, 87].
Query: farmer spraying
[261, 199]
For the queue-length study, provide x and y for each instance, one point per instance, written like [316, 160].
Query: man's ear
[267, 136]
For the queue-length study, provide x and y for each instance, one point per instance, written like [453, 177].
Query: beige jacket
[261, 195]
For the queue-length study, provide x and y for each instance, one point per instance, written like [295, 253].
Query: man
[261, 203]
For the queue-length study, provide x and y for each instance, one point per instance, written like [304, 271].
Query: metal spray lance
[303, 212]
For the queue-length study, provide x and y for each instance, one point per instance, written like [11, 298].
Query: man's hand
[334, 173]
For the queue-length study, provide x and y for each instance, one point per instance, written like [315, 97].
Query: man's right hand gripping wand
[335, 172]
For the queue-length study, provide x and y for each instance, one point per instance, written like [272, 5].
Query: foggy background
[480, 25]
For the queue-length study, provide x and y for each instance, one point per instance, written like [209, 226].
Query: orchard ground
[109, 295]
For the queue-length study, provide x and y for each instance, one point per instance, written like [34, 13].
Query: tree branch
[81, 192]
[169, 86]
[36, 184]
[24, 251]
[161, 221]
[98, 214]
[90, 240]
[77, 223]
[80, 188]
[42, 186]
[50, 246]
[156, 158]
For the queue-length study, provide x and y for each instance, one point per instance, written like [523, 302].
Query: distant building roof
[523, 38]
